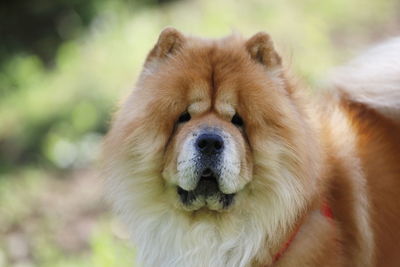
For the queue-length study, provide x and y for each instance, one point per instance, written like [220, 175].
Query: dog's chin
[206, 196]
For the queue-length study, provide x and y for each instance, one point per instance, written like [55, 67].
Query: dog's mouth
[206, 193]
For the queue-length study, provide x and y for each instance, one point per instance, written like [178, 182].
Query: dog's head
[213, 125]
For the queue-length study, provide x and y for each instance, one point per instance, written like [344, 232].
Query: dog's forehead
[213, 83]
[202, 98]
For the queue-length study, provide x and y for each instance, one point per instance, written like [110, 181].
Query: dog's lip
[207, 173]
[188, 196]
[206, 182]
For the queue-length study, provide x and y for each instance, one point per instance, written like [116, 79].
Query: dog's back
[370, 96]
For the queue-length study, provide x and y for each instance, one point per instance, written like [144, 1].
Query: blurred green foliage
[52, 118]
[40, 26]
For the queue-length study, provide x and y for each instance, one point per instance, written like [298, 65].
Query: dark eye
[184, 117]
[237, 120]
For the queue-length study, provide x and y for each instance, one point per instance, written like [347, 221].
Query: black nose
[210, 143]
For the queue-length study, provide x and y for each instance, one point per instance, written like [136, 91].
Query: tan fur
[296, 152]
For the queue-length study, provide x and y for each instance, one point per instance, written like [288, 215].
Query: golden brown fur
[296, 151]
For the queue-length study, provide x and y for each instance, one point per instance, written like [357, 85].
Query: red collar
[325, 210]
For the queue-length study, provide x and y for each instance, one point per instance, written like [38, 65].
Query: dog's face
[208, 158]
[214, 126]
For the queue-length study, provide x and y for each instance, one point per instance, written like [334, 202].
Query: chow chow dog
[218, 158]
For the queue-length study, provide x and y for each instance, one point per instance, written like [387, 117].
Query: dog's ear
[261, 49]
[169, 42]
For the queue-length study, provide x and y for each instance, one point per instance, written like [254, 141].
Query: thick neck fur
[173, 240]
[168, 237]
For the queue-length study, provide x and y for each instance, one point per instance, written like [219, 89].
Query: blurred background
[65, 63]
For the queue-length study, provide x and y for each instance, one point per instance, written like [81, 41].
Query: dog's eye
[184, 117]
[237, 120]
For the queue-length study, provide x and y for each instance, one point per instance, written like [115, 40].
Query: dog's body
[217, 159]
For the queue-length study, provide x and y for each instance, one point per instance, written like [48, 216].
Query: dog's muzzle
[206, 164]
